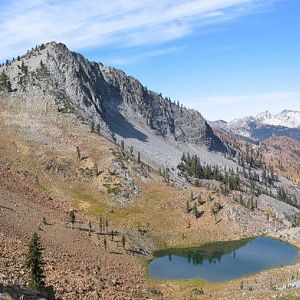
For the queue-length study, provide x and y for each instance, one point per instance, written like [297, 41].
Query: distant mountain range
[264, 125]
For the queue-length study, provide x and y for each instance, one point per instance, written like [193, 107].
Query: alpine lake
[222, 261]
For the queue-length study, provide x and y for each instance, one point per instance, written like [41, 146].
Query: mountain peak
[286, 118]
[265, 124]
[287, 111]
[52, 75]
[53, 44]
[263, 115]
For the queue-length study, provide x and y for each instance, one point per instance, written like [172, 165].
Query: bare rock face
[51, 77]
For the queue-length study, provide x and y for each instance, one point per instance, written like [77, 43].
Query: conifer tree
[93, 126]
[72, 218]
[98, 128]
[101, 224]
[90, 226]
[123, 241]
[106, 224]
[78, 152]
[139, 157]
[195, 209]
[35, 264]
[214, 213]
[151, 123]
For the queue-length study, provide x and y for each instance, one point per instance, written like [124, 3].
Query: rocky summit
[53, 77]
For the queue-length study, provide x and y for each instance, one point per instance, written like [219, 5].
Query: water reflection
[222, 260]
[212, 252]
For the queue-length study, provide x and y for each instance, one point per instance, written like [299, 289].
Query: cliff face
[52, 77]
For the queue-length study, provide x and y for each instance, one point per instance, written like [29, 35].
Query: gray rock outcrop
[52, 77]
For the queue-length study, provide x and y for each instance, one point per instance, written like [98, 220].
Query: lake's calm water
[222, 261]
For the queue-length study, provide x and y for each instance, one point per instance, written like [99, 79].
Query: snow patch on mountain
[263, 125]
[287, 118]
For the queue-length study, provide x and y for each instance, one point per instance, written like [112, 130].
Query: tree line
[191, 166]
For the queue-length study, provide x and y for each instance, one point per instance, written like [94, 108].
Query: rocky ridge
[51, 77]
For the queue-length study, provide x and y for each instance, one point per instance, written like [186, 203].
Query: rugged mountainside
[106, 98]
[264, 125]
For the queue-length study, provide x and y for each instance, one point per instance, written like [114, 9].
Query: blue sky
[226, 58]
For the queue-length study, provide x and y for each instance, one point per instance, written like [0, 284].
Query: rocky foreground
[77, 264]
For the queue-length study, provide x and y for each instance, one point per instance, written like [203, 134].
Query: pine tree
[123, 241]
[24, 68]
[195, 209]
[98, 128]
[100, 225]
[35, 264]
[8, 86]
[93, 126]
[151, 123]
[78, 152]
[139, 157]
[72, 218]
[90, 226]
[106, 224]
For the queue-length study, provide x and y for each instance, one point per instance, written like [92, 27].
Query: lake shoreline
[208, 254]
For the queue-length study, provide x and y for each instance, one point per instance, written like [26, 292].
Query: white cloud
[132, 58]
[128, 23]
